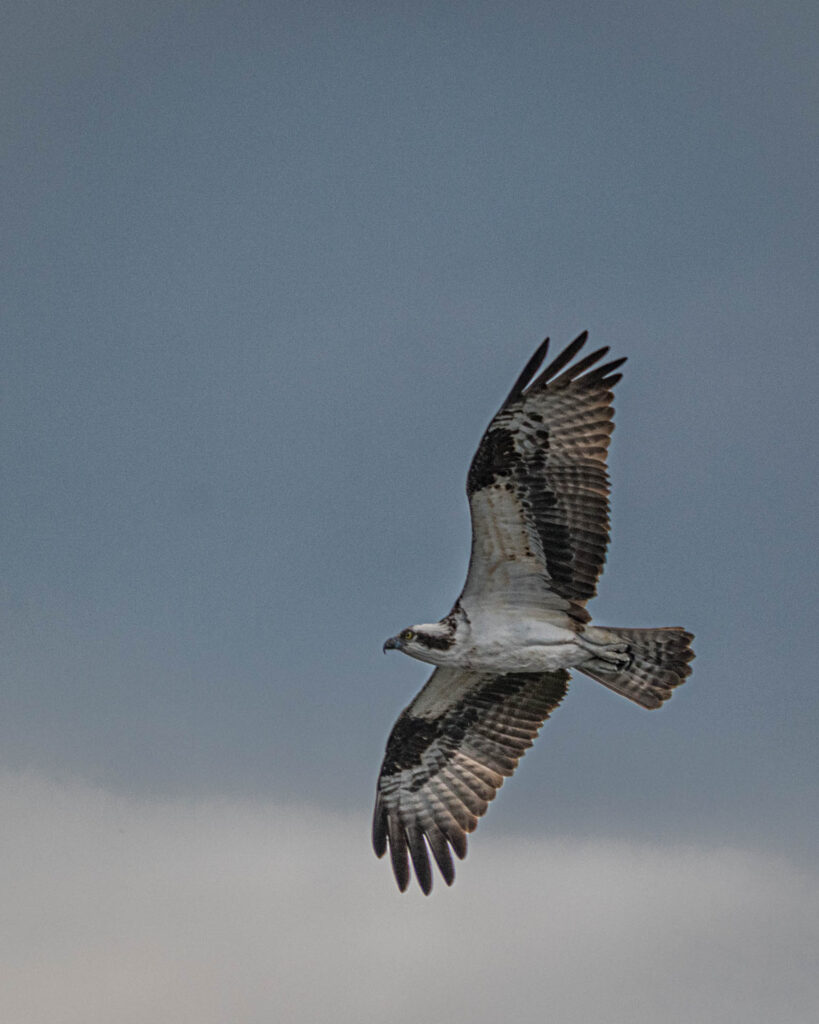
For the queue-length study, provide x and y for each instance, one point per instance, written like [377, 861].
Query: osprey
[538, 497]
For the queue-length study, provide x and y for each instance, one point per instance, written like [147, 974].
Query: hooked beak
[393, 644]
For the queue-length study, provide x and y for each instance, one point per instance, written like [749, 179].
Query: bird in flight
[538, 494]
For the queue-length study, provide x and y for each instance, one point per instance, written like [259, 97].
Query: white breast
[507, 642]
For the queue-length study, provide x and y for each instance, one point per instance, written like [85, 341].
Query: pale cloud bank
[136, 911]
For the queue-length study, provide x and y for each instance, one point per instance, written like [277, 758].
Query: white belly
[522, 646]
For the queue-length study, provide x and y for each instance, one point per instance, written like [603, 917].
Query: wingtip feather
[379, 830]
[440, 851]
[528, 372]
[606, 370]
[420, 860]
[398, 853]
[563, 358]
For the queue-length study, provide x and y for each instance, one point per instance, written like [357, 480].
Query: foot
[616, 654]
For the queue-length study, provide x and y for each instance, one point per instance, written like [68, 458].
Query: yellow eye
[408, 635]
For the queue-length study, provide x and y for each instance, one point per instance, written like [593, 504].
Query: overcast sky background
[269, 269]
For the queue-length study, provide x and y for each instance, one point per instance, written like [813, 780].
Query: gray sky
[269, 270]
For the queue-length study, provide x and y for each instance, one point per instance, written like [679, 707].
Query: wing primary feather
[440, 851]
[528, 372]
[573, 372]
[379, 828]
[566, 356]
[398, 852]
[420, 858]
[601, 372]
[459, 844]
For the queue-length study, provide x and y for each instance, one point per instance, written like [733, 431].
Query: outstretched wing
[538, 487]
[447, 756]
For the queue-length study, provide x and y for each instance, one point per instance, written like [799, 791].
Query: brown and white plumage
[538, 494]
[538, 487]
[440, 771]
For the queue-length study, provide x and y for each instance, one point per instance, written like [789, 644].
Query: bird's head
[428, 642]
[404, 640]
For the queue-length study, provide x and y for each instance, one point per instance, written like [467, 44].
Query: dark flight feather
[440, 772]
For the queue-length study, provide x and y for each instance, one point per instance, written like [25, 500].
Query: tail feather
[658, 662]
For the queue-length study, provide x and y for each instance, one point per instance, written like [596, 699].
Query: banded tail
[658, 662]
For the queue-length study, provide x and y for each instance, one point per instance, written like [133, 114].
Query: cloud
[133, 910]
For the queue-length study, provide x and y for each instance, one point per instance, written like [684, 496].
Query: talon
[617, 654]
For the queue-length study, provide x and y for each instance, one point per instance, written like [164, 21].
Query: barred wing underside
[446, 758]
[538, 487]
